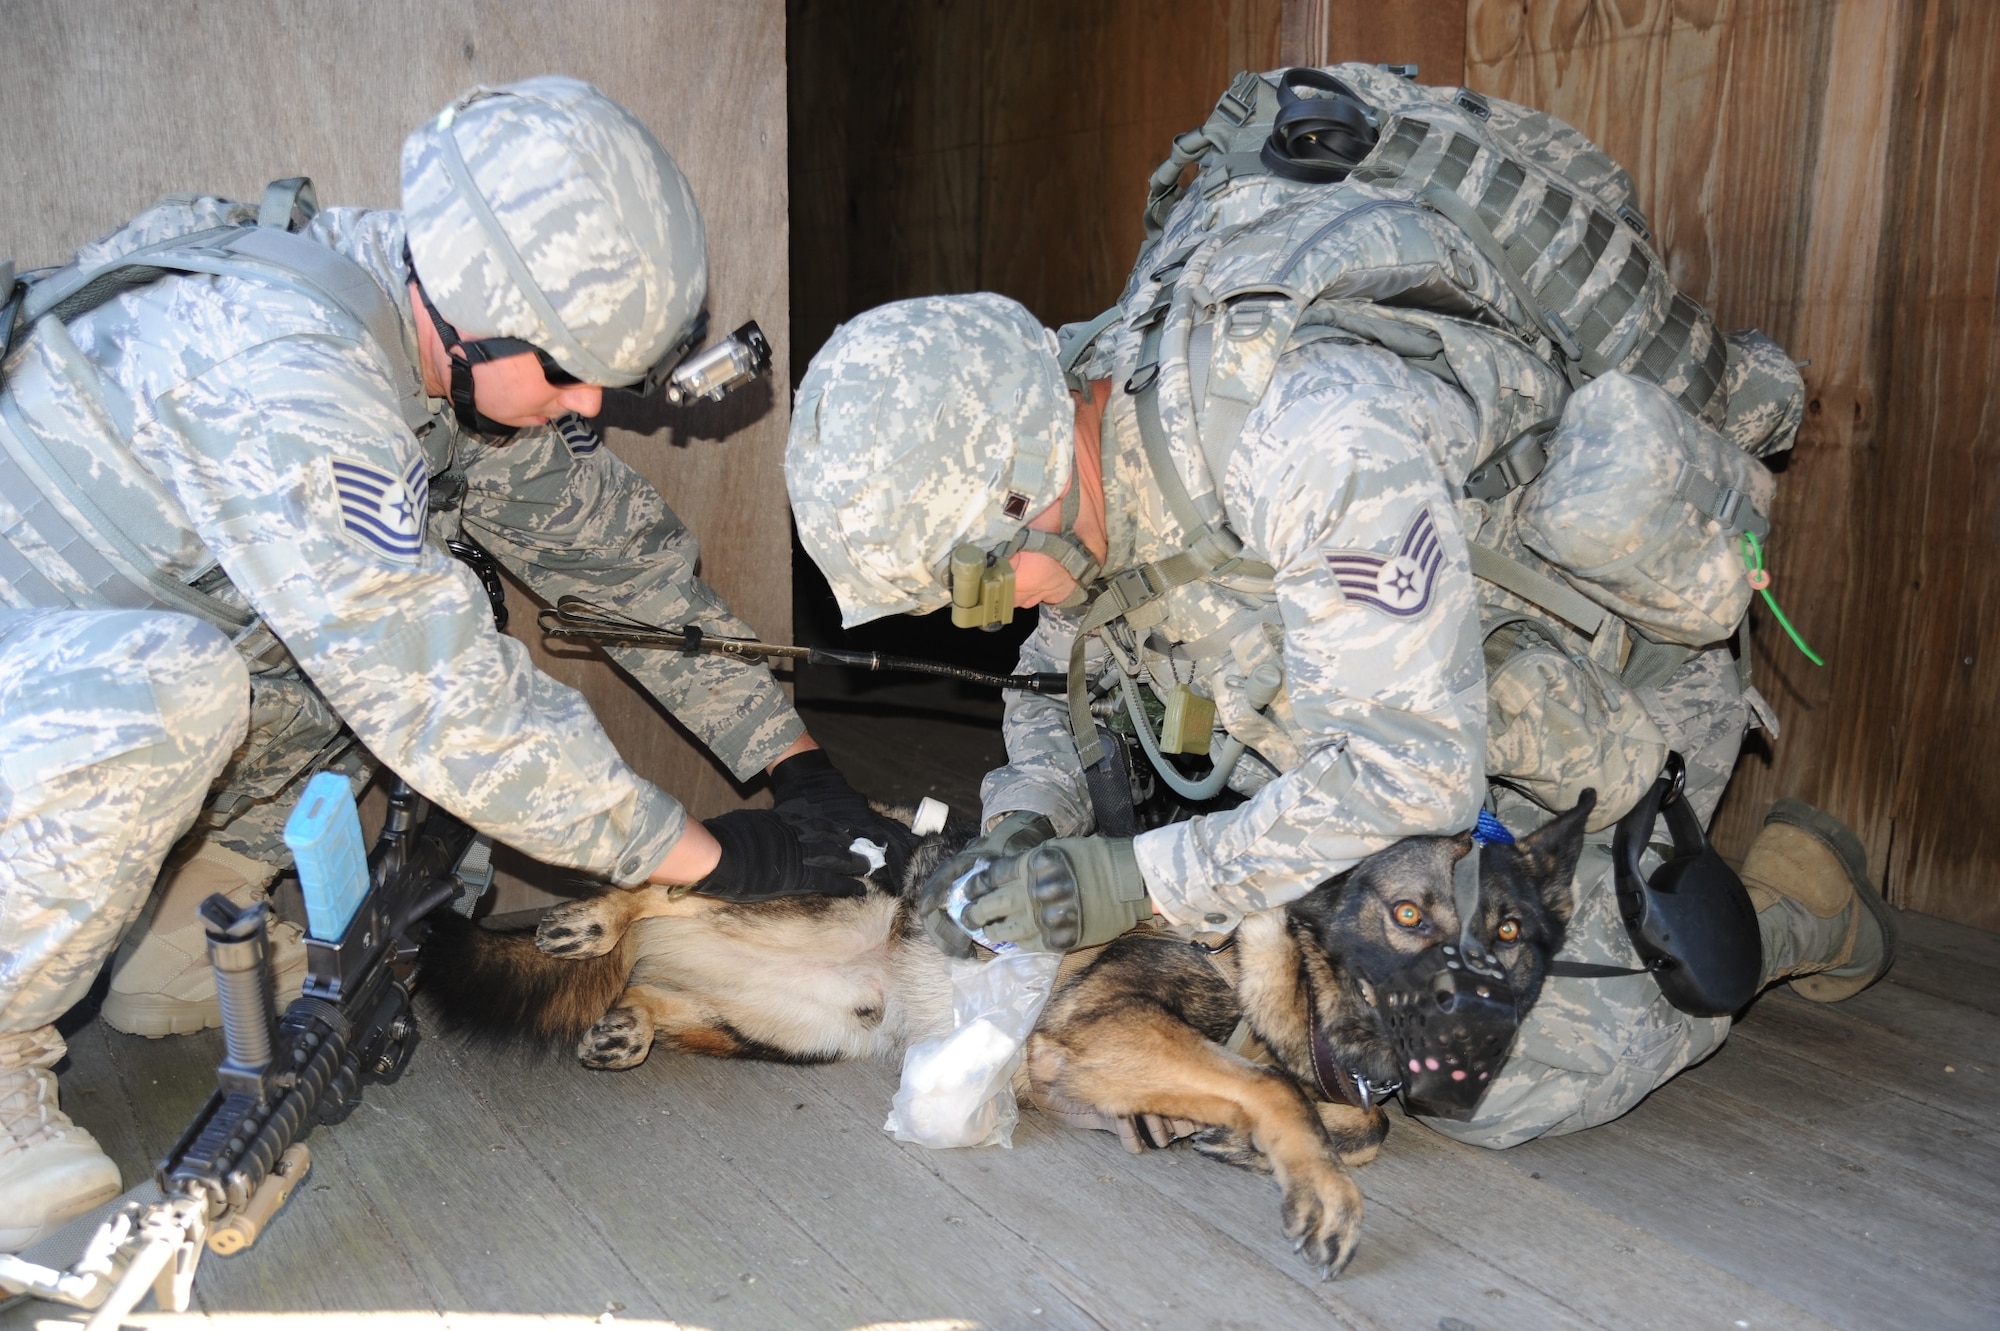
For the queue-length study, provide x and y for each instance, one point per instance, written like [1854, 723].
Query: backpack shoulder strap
[250, 253]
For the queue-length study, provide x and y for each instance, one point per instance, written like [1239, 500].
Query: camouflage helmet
[542, 210]
[921, 425]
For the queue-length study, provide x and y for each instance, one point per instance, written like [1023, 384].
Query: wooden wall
[1822, 169]
[992, 145]
[1829, 171]
[111, 104]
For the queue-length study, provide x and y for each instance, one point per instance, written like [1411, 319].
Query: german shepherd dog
[1138, 1031]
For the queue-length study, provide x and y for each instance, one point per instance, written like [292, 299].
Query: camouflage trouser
[1591, 1049]
[113, 724]
[294, 734]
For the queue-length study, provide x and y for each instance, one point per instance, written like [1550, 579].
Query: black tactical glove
[1013, 834]
[808, 783]
[1062, 895]
[769, 853]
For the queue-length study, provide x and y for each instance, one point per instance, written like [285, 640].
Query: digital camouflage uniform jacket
[267, 434]
[1347, 464]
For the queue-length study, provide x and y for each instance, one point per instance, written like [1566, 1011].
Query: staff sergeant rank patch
[1396, 584]
[383, 512]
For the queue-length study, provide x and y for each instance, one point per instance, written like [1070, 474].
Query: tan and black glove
[1061, 895]
[1013, 834]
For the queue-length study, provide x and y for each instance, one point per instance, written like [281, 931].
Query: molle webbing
[102, 551]
[1611, 298]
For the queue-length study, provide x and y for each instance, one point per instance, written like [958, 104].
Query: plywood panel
[993, 145]
[1823, 169]
[111, 105]
[1763, 197]
[1940, 413]
[1429, 34]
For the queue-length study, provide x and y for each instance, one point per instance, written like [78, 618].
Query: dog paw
[1322, 1210]
[577, 929]
[1231, 1147]
[621, 1039]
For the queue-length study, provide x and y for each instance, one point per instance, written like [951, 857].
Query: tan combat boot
[161, 983]
[1825, 927]
[51, 1171]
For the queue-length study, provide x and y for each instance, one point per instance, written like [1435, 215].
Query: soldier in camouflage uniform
[254, 459]
[928, 424]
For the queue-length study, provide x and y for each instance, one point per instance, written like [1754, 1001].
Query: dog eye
[1509, 931]
[1407, 914]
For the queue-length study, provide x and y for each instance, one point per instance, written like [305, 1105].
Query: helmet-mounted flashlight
[710, 373]
[982, 589]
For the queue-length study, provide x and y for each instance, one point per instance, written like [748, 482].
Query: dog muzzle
[1451, 1018]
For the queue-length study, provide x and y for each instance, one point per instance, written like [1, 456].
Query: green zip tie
[1753, 559]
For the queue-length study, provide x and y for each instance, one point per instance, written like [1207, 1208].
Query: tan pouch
[1559, 724]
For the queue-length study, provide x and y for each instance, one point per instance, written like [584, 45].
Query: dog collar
[1336, 1083]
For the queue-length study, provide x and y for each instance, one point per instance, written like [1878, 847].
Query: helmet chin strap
[464, 405]
[1063, 546]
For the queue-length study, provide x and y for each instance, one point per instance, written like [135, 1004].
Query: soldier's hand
[1062, 895]
[769, 853]
[809, 784]
[1013, 834]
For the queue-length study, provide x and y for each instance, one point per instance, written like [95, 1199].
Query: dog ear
[1549, 854]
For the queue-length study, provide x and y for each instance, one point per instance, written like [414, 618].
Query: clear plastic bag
[958, 1090]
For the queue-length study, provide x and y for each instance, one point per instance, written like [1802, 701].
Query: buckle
[1725, 507]
[1564, 338]
[1473, 104]
[1174, 262]
[1512, 467]
[1239, 103]
[1154, 313]
[1134, 587]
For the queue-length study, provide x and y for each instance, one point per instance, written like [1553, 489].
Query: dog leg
[592, 926]
[1231, 1146]
[1357, 1134]
[621, 1038]
[1141, 1060]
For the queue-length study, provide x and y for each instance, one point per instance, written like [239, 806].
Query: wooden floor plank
[1454, 1236]
[1599, 1267]
[322, 1253]
[1403, 1274]
[1949, 961]
[495, 1221]
[1099, 1236]
[1952, 1025]
[1881, 1120]
[1721, 1179]
[747, 1208]
[1949, 938]
[93, 1094]
[1850, 1049]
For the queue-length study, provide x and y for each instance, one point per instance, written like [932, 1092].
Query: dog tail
[500, 987]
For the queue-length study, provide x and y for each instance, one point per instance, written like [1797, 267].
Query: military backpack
[1615, 491]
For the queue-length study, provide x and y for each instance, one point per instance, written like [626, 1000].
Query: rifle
[245, 1151]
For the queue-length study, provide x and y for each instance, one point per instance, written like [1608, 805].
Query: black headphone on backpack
[1319, 135]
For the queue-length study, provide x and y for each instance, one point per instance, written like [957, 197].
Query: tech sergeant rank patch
[381, 512]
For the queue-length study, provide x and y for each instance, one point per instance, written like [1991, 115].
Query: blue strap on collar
[1491, 831]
